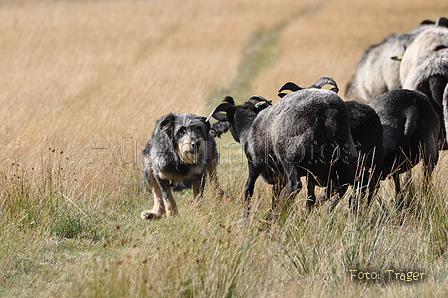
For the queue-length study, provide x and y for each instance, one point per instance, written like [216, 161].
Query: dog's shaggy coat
[177, 156]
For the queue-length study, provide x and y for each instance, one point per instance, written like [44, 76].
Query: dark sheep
[410, 133]
[367, 134]
[306, 133]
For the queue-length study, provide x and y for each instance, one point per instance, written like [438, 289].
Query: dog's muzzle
[191, 152]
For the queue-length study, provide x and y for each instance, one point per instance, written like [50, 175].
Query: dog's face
[188, 133]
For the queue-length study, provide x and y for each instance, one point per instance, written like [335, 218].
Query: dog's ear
[207, 125]
[166, 124]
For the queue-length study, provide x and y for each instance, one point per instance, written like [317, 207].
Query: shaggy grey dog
[176, 157]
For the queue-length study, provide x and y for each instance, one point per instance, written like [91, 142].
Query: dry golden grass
[88, 79]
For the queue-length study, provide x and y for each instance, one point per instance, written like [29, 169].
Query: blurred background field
[82, 83]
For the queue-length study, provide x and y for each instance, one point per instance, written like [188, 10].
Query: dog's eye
[198, 129]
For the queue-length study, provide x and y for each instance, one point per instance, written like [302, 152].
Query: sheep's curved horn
[326, 81]
[223, 107]
[290, 86]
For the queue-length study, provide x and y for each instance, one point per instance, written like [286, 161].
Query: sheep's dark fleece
[306, 132]
[410, 132]
[367, 134]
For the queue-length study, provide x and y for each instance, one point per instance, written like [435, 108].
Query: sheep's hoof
[222, 194]
[149, 214]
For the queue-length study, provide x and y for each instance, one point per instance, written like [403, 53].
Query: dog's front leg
[168, 200]
[159, 207]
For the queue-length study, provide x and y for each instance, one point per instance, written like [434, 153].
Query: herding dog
[176, 157]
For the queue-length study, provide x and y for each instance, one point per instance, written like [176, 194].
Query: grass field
[82, 83]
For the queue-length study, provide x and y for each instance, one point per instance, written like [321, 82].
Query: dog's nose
[195, 144]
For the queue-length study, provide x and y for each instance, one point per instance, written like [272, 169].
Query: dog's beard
[190, 155]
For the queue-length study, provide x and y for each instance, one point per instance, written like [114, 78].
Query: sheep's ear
[260, 101]
[224, 107]
[427, 22]
[400, 57]
[322, 81]
[229, 99]
[166, 124]
[442, 22]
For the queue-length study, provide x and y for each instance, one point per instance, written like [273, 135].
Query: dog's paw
[172, 213]
[149, 214]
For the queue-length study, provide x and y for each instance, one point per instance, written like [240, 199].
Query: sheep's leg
[348, 175]
[373, 189]
[311, 197]
[373, 186]
[213, 177]
[294, 183]
[359, 193]
[334, 202]
[321, 198]
[430, 160]
[254, 172]
[276, 191]
[198, 187]
[398, 193]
